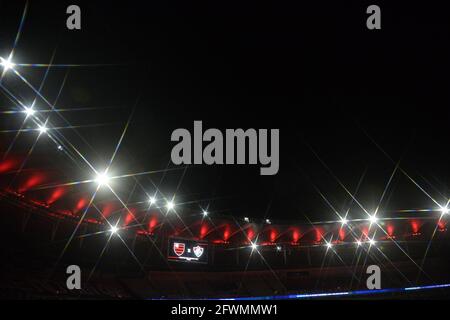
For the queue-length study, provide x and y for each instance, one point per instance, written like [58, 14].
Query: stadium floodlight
[268, 221]
[373, 219]
[344, 221]
[372, 242]
[152, 200]
[102, 179]
[445, 210]
[170, 205]
[358, 243]
[205, 213]
[246, 219]
[29, 111]
[42, 129]
[329, 245]
[254, 246]
[7, 64]
[114, 229]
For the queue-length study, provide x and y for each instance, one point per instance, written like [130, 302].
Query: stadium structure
[156, 249]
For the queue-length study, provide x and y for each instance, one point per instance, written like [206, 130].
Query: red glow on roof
[250, 233]
[152, 223]
[318, 235]
[108, 209]
[295, 235]
[341, 234]
[226, 234]
[203, 230]
[415, 226]
[365, 232]
[7, 165]
[130, 217]
[80, 204]
[273, 235]
[56, 194]
[390, 230]
[33, 181]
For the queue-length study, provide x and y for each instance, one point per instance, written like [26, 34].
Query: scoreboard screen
[187, 250]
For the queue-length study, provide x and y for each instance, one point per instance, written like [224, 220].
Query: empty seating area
[35, 286]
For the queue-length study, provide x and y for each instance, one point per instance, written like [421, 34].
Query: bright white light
[114, 229]
[278, 248]
[372, 242]
[42, 129]
[7, 64]
[254, 246]
[445, 210]
[29, 111]
[373, 219]
[344, 221]
[268, 221]
[358, 243]
[60, 147]
[152, 200]
[170, 205]
[329, 245]
[205, 213]
[102, 179]
[246, 219]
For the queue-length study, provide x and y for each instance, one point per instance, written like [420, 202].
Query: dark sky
[335, 90]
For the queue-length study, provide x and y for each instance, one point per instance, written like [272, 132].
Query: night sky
[350, 103]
